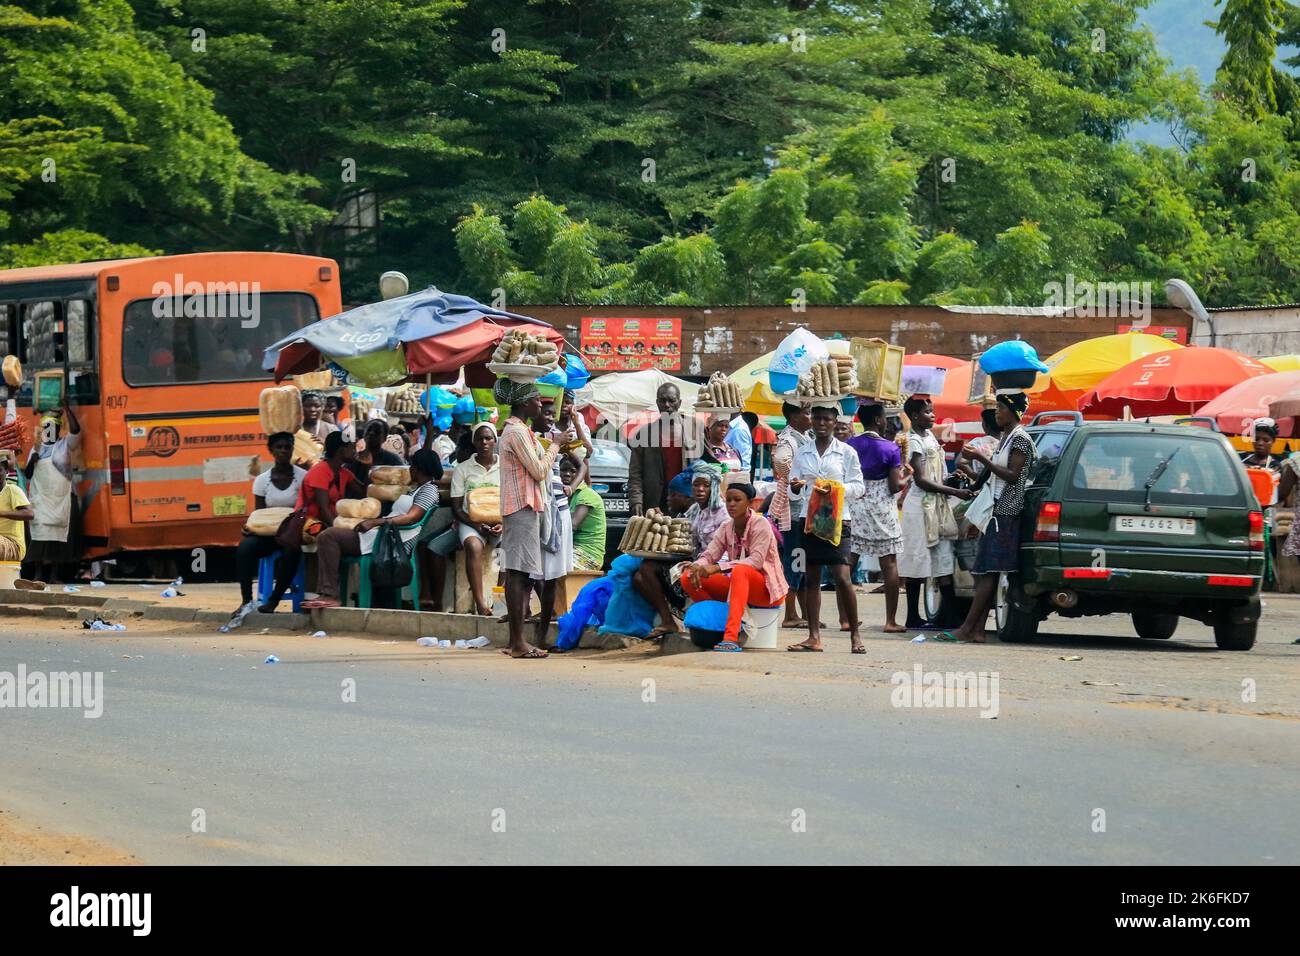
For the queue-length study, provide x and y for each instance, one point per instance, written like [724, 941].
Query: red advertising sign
[629, 345]
[1174, 333]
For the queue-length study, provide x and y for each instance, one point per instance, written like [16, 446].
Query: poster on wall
[1174, 333]
[629, 345]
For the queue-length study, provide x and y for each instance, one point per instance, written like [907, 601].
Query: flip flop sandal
[798, 648]
[947, 638]
[728, 647]
[860, 649]
[536, 654]
[801, 626]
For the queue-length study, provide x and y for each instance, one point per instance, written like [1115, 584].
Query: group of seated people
[433, 516]
[737, 553]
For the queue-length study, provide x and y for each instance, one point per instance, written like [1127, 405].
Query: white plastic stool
[763, 626]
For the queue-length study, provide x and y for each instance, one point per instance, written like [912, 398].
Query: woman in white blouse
[826, 458]
[276, 487]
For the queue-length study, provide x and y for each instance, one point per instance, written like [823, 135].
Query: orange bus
[162, 359]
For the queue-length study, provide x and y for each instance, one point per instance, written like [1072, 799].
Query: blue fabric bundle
[627, 612]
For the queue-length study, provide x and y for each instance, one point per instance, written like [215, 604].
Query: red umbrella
[1237, 408]
[1176, 382]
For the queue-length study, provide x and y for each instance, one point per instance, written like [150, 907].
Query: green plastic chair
[363, 588]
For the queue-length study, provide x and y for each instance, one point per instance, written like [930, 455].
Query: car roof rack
[1075, 418]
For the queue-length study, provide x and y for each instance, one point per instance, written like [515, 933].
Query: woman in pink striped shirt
[750, 574]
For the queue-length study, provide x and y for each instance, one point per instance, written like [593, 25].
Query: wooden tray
[662, 555]
[717, 410]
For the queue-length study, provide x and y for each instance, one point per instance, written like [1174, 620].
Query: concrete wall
[724, 338]
[1254, 332]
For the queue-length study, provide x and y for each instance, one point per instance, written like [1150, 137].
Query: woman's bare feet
[811, 644]
[527, 652]
[892, 628]
[797, 622]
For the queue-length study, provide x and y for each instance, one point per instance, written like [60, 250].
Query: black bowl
[1019, 378]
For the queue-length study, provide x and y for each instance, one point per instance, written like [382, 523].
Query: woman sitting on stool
[277, 487]
[751, 572]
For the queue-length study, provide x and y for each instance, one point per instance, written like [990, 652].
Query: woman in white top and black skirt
[999, 546]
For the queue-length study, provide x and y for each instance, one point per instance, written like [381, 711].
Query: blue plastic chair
[266, 581]
[363, 588]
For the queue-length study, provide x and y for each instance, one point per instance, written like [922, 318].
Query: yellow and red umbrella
[1174, 382]
[1077, 368]
[1282, 363]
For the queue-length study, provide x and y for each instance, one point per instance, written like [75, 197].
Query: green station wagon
[1155, 521]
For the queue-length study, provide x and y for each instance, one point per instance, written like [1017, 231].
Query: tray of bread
[658, 536]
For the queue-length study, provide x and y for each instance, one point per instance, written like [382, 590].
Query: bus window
[215, 338]
[8, 329]
[41, 348]
[79, 343]
[80, 338]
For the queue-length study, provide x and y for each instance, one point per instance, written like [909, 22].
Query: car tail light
[1049, 522]
[117, 469]
[1091, 574]
[1257, 531]
[1231, 580]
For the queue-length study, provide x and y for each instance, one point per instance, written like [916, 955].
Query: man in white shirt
[741, 438]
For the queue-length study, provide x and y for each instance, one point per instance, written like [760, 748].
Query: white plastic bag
[797, 353]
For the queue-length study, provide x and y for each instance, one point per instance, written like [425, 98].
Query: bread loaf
[265, 522]
[358, 508]
[280, 409]
[13, 371]
[388, 493]
[305, 450]
[343, 522]
[390, 475]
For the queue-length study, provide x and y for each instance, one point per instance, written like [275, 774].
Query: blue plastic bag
[576, 370]
[1013, 356]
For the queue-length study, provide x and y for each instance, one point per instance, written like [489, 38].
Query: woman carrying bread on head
[408, 511]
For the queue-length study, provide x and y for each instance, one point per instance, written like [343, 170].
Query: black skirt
[819, 551]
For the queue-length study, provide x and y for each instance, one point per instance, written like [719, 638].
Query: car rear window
[1116, 467]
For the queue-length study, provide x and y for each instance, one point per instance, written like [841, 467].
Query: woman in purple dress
[876, 529]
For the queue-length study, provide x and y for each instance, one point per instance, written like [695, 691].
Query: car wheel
[1018, 626]
[1235, 635]
[1000, 602]
[1154, 625]
[930, 600]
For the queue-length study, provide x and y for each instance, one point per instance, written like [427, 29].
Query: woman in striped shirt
[407, 515]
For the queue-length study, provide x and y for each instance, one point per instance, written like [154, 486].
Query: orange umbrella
[1176, 382]
[934, 360]
[951, 404]
[1237, 408]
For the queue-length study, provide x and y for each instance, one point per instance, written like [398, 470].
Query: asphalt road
[466, 757]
